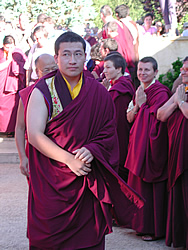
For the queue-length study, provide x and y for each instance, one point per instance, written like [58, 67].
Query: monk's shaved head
[45, 64]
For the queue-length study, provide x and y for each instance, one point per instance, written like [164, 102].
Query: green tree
[66, 12]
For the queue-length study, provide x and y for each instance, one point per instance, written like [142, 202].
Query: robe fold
[12, 79]
[177, 220]
[65, 210]
[122, 92]
[147, 160]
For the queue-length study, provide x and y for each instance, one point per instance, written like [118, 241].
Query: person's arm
[176, 83]
[165, 111]
[180, 99]
[37, 115]
[95, 74]
[139, 100]
[20, 139]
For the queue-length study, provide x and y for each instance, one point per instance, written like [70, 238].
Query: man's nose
[72, 59]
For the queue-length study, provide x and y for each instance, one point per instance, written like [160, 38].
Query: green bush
[169, 78]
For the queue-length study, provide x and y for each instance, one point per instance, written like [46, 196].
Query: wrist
[181, 103]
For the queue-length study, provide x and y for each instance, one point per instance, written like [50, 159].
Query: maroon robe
[12, 79]
[64, 210]
[122, 92]
[177, 220]
[147, 162]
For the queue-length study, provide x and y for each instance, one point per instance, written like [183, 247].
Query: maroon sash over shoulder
[65, 210]
[178, 150]
[148, 141]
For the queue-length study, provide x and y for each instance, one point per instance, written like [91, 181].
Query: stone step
[8, 151]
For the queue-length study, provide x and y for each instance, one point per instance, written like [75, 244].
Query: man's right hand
[79, 167]
[24, 168]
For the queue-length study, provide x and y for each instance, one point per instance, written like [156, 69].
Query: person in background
[25, 41]
[147, 156]
[45, 64]
[185, 27]
[147, 28]
[160, 28]
[41, 46]
[12, 79]
[121, 90]
[175, 112]
[106, 46]
[168, 8]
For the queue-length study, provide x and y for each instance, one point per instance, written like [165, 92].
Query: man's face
[70, 59]
[46, 65]
[40, 38]
[111, 73]
[184, 72]
[145, 72]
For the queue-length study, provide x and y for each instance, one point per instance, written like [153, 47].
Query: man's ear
[55, 58]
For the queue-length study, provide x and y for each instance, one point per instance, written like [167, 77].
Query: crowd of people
[100, 139]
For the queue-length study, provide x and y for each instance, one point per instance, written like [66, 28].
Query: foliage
[67, 12]
[169, 78]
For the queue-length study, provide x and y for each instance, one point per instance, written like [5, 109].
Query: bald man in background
[45, 64]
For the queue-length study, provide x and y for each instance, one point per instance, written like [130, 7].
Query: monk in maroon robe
[73, 154]
[121, 91]
[176, 111]
[12, 77]
[147, 152]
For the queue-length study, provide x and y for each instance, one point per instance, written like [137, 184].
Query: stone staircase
[8, 151]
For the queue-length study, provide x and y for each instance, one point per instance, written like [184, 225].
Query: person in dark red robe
[119, 32]
[176, 111]
[147, 152]
[121, 91]
[12, 77]
[73, 155]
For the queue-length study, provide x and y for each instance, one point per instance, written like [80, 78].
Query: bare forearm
[20, 142]
[47, 147]
[165, 112]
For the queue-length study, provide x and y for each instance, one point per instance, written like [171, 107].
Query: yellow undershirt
[76, 90]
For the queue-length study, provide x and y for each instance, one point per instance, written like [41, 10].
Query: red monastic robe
[122, 92]
[12, 79]
[177, 220]
[64, 210]
[147, 162]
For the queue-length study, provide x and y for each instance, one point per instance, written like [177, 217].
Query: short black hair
[151, 60]
[122, 10]
[117, 59]
[67, 37]
[149, 14]
[8, 40]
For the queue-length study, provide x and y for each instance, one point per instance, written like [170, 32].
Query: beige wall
[164, 49]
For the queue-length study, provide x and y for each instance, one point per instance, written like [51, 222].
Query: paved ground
[13, 210]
